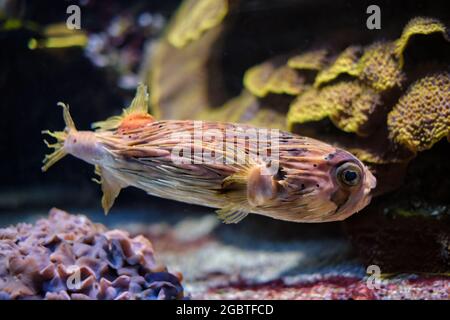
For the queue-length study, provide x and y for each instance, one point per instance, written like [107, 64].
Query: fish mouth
[370, 184]
[371, 180]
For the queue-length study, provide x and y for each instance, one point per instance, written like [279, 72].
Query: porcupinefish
[239, 169]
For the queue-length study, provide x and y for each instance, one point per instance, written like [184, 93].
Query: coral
[354, 104]
[307, 107]
[268, 117]
[247, 108]
[282, 75]
[348, 104]
[268, 78]
[422, 116]
[194, 18]
[379, 67]
[361, 105]
[69, 257]
[418, 26]
[310, 60]
[234, 110]
[345, 63]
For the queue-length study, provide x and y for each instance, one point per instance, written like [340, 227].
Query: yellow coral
[422, 116]
[379, 66]
[349, 105]
[247, 108]
[307, 107]
[194, 18]
[353, 105]
[346, 62]
[310, 60]
[234, 110]
[268, 118]
[419, 25]
[276, 76]
[269, 78]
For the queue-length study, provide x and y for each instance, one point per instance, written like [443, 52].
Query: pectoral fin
[111, 187]
[231, 214]
[261, 187]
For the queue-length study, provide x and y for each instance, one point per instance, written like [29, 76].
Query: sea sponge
[416, 26]
[379, 67]
[194, 18]
[348, 104]
[273, 77]
[345, 63]
[69, 257]
[422, 116]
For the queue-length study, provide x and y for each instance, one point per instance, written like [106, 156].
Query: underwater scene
[225, 150]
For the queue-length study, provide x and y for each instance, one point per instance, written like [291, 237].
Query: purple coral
[69, 257]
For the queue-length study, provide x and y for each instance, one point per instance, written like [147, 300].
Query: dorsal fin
[135, 116]
[140, 101]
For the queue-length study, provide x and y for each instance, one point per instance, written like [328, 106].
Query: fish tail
[60, 137]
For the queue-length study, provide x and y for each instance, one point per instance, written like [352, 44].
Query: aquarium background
[258, 258]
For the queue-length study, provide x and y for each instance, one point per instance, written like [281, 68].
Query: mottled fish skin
[306, 187]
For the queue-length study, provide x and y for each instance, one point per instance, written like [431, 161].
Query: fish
[236, 168]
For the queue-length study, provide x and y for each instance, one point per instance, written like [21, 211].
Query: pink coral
[69, 257]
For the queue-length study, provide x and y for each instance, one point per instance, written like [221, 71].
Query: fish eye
[349, 174]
